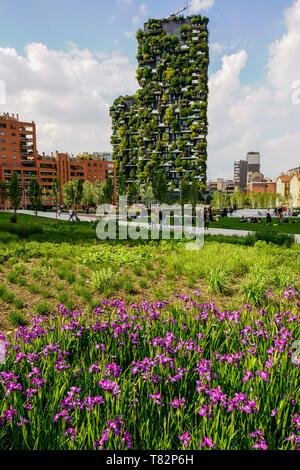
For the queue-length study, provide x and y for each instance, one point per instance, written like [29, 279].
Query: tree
[160, 187]
[55, 192]
[89, 194]
[238, 199]
[79, 191]
[34, 194]
[218, 201]
[194, 193]
[15, 194]
[133, 192]
[72, 192]
[184, 191]
[3, 192]
[122, 185]
[108, 191]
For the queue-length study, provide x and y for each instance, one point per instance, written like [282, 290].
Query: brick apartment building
[18, 152]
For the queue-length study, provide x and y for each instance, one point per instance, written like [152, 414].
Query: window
[3, 156]
[13, 142]
[3, 149]
[13, 134]
[2, 133]
[2, 141]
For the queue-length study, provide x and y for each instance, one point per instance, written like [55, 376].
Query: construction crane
[179, 11]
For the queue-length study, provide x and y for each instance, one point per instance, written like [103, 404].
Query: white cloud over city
[197, 5]
[67, 94]
[260, 117]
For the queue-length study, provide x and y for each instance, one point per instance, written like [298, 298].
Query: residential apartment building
[163, 127]
[295, 189]
[283, 186]
[221, 185]
[18, 152]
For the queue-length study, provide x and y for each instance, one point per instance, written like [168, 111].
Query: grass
[233, 223]
[50, 266]
[81, 269]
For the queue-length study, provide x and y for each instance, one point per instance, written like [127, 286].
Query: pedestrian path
[93, 217]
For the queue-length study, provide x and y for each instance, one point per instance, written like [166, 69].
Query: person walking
[206, 218]
[76, 217]
[71, 213]
[87, 209]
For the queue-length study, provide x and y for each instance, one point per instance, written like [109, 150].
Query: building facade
[253, 160]
[283, 187]
[295, 190]
[243, 169]
[241, 175]
[163, 127]
[221, 185]
[18, 152]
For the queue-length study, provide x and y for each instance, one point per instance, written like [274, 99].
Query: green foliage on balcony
[166, 120]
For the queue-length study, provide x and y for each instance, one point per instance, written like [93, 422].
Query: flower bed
[175, 374]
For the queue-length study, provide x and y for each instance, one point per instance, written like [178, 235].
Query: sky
[63, 62]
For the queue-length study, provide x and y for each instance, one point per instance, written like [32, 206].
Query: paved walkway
[93, 217]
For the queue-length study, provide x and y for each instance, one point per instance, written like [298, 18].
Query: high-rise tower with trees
[162, 129]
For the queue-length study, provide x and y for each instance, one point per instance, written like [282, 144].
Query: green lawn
[235, 224]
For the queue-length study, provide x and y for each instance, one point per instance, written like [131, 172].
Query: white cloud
[129, 35]
[67, 94]
[197, 5]
[217, 47]
[124, 2]
[261, 116]
[141, 14]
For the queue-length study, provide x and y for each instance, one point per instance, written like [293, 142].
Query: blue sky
[60, 37]
[103, 24]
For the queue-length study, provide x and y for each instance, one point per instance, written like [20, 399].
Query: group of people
[227, 211]
[251, 220]
[278, 214]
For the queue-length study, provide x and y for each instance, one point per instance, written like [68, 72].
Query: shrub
[101, 278]
[218, 280]
[42, 308]
[17, 319]
[18, 303]
[5, 295]
[276, 238]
